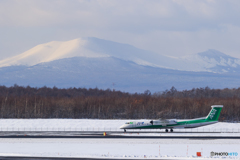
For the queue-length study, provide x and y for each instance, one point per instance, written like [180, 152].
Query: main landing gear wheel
[166, 130]
[171, 130]
[124, 130]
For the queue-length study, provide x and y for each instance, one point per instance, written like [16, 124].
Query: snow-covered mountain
[210, 61]
[213, 61]
[49, 52]
[85, 47]
[93, 62]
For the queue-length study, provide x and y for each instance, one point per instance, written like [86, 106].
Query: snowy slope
[82, 47]
[49, 52]
[210, 61]
[213, 61]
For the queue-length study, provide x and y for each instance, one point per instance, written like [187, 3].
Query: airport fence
[92, 129]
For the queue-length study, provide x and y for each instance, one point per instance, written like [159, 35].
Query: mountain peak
[214, 54]
[83, 47]
[50, 51]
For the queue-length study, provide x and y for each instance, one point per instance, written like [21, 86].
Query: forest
[28, 102]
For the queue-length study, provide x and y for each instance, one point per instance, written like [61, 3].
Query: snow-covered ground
[114, 148]
[118, 148]
[96, 125]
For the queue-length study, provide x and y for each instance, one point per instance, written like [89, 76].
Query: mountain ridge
[210, 60]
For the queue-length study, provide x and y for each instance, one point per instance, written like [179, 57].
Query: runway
[117, 135]
[130, 137]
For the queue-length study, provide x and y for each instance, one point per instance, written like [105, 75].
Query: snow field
[118, 148]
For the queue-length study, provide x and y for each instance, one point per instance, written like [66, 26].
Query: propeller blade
[151, 122]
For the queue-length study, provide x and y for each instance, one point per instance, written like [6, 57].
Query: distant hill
[113, 73]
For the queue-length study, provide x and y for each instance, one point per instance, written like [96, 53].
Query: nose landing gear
[124, 130]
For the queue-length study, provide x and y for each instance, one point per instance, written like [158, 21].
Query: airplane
[171, 124]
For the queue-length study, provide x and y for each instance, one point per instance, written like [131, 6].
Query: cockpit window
[127, 123]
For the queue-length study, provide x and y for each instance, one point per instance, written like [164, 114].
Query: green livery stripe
[214, 114]
[212, 117]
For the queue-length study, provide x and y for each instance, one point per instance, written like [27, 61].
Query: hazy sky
[169, 27]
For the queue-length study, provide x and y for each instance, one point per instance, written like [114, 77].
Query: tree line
[28, 102]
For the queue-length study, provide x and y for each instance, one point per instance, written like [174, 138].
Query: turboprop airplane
[166, 124]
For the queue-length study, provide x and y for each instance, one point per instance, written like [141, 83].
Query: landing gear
[124, 130]
[171, 130]
[166, 130]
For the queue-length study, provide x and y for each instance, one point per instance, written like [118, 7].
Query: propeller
[151, 122]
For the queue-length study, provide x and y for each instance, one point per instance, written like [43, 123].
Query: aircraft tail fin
[214, 113]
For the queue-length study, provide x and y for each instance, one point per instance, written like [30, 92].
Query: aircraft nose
[122, 126]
